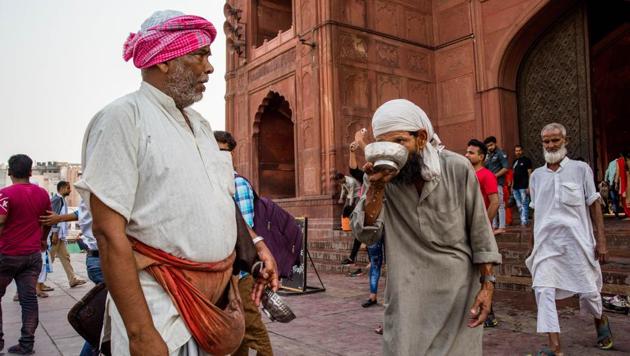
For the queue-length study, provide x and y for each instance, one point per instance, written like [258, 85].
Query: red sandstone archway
[532, 25]
[275, 147]
[605, 133]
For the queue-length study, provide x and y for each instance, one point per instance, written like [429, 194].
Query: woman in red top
[622, 178]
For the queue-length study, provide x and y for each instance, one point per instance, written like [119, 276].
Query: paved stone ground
[332, 323]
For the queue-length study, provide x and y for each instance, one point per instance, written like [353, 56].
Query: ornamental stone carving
[552, 87]
[353, 47]
[386, 19]
[419, 63]
[386, 54]
[354, 88]
[388, 88]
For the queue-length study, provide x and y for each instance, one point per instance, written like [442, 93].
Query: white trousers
[44, 272]
[499, 219]
[590, 303]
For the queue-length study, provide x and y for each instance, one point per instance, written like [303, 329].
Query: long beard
[411, 172]
[555, 157]
[181, 84]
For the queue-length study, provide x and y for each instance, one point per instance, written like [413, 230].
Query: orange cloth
[345, 224]
[195, 287]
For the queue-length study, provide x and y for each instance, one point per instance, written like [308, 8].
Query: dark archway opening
[276, 149]
[609, 35]
[272, 17]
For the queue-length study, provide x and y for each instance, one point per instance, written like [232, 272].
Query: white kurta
[564, 246]
[174, 187]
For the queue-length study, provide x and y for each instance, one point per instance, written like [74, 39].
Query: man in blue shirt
[92, 260]
[59, 233]
[256, 336]
[497, 163]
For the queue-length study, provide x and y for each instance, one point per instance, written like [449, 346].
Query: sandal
[368, 303]
[46, 288]
[545, 352]
[379, 330]
[604, 335]
[42, 294]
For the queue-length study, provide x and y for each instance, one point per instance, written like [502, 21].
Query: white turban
[403, 115]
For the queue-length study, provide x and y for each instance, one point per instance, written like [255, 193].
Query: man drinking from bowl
[440, 245]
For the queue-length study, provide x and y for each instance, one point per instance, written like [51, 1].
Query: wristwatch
[488, 278]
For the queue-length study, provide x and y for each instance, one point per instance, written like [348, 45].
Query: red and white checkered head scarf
[166, 35]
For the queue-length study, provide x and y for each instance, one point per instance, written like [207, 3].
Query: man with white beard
[565, 257]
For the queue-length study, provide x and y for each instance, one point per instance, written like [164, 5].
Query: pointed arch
[274, 147]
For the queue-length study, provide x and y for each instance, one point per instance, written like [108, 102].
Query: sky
[62, 63]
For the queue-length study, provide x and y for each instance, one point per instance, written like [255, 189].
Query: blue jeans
[95, 274]
[522, 202]
[375, 251]
[614, 201]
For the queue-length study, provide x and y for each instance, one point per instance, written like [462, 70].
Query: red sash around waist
[195, 288]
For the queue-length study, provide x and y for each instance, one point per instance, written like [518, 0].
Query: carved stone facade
[553, 85]
[339, 60]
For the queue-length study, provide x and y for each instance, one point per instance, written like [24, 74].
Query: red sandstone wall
[457, 59]
[370, 70]
[471, 41]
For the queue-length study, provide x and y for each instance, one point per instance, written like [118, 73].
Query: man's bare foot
[45, 287]
[379, 330]
[77, 282]
[498, 231]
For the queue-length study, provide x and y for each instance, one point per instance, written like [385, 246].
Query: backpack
[282, 234]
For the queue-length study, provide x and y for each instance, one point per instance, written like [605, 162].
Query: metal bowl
[386, 155]
[275, 308]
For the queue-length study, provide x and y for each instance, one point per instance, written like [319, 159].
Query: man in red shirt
[22, 239]
[476, 154]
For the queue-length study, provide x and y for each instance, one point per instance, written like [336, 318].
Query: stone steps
[329, 247]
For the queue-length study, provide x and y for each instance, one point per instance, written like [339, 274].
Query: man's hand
[359, 138]
[269, 274]
[597, 217]
[55, 238]
[378, 178]
[483, 302]
[148, 343]
[50, 219]
[43, 245]
[601, 253]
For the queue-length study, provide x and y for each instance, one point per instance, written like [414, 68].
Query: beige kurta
[433, 242]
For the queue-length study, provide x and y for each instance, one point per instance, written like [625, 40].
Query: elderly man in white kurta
[160, 193]
[440, 246]
[565, 257]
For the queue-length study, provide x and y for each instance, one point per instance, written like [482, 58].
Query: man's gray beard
[555, 157]
[180, 85]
